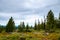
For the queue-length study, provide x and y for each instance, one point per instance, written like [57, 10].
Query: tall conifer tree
[50, 20]
[35, 26]
[10, 27]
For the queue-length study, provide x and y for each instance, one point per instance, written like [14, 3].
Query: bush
[59, 38]
[28, 31]
[22, 38]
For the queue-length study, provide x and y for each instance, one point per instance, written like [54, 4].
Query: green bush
[22, 38]
[59, 38]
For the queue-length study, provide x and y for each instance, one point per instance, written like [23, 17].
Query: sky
[28, 11]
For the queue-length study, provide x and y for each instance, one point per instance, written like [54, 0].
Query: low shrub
[59, 38]
[22, 38]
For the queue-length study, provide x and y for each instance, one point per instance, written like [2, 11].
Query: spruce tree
[58, 22]
[35, 26]
[50, 20]
[38, 28]
[31, 27]
[27, 28]
[1, 28]
[59, 16]
[42, 26]
[21, 27]
[10, 27]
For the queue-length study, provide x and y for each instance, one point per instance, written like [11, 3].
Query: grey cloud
[19, 11]
[16, 5]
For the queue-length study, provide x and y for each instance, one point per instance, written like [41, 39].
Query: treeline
[50, 24]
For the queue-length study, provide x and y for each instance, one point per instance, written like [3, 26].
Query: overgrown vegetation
[47, 30]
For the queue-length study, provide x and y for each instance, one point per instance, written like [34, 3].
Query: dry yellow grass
[29, 36]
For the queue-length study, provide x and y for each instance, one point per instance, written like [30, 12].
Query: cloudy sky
[27, 10]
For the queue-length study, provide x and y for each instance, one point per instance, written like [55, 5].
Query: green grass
[35, 35]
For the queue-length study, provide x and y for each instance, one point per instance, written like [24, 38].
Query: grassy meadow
[34, 35]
